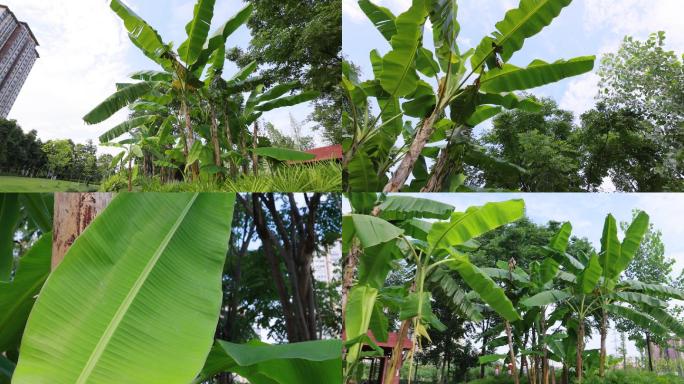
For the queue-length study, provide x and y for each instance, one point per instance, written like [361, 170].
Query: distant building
[324, 263]
[17, 55]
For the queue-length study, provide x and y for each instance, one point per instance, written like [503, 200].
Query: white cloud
[350, 8]
[83, 49]
[580, 94]
[637, 18]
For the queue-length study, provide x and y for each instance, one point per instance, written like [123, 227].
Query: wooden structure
[379, 365]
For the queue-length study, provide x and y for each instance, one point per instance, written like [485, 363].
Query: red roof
[332, 152]
[392, 339]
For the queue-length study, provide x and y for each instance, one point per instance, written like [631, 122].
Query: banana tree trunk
[190, 136]
[409, 161]
[215, 141]
[73, 213]
[130, 173]
[648, 349]
[396, 359]
[604, 334]
[229, 139]
[511, 353]
[580, 352]
[545, 360]
[255, 158]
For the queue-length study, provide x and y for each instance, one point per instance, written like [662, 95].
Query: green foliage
[132, 294]
[401, 92]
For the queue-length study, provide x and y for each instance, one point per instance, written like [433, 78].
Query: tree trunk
[255, 157]
[267, 245]
[215, 141]
[604, 334]
[511, 353]
[566, 374]
[229, 139]
[396, 359]
[580, 352]
[483, 351]
[408, 162]
[449, 160]
[130, 172]
[73, 212]
[190, 138]
[648, 348]
[545, 361]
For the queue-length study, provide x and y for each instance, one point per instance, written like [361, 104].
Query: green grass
[26, 184]
[612, 377]
[322, 177]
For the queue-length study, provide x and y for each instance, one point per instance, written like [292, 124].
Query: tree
[290, 237]
[647, 80]
[60, 154]
[544, 143]
[300, 41]
[20, 153]
[623, 146]
[472, 87]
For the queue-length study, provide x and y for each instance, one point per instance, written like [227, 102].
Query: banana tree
[592, 287]
[183, 69]
[403, 74]
[398, 233]
[135, 276]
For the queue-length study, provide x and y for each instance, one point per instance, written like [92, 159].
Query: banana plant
[136, 300]
[472, 87]
[26, 218]
[399, 233]
[180, 90]
[592, 286]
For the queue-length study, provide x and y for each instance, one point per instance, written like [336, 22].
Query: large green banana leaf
[399, 77]
[511, 78]
[17, 297]
[637, 298]
[307, 362]
[399, 207]
[520, 23]
[610, 247]
[484, 286]
[287, 101]
[9, 217]
[457, 298]
[125, 127]
[360, 303]
[39, 207]
[639, 318]
[371, 230]
[137, 296]
[559, 241]
[590, 276]
[376, 262]
[445, 29]
[197, 30]
[630, 244]
[141, 34]
[121, 98]
[474, 222]
[219, 37]
[656, 289]
[381, 17]
[545, 298]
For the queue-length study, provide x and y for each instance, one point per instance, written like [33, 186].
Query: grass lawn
[26, 184]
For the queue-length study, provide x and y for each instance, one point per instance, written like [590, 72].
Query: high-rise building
[17, 55]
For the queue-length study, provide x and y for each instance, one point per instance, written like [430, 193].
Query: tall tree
[646, 79]
[300, 41]
[291, 234]
[541, 142]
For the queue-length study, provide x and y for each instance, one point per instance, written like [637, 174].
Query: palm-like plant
[402, 74]
[182, 97]
[399, 233]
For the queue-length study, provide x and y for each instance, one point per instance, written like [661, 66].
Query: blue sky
[587, 212]
[586, 27]
[85, 51]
